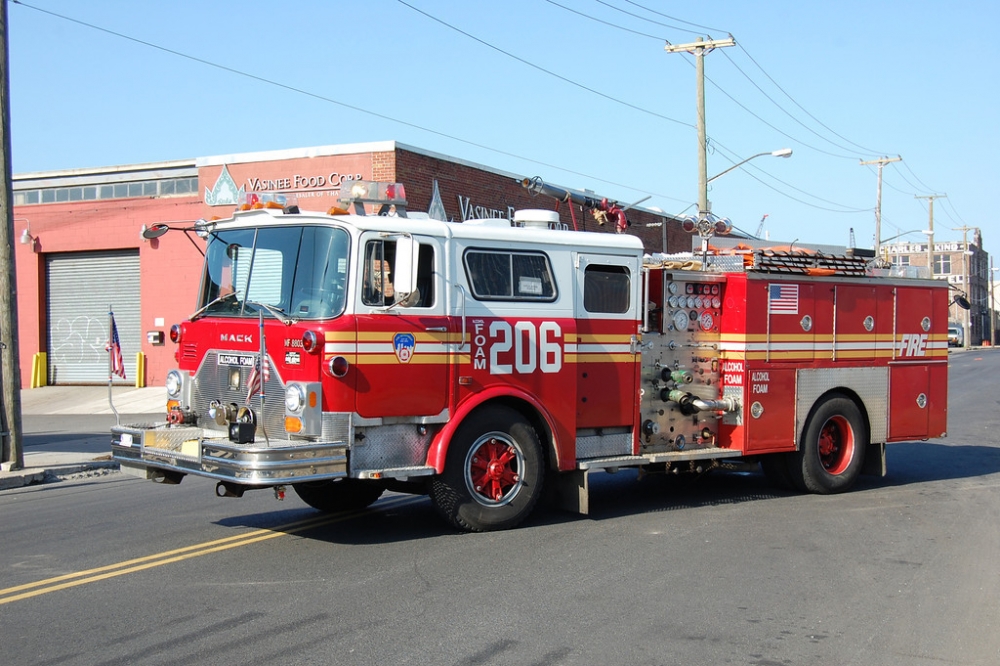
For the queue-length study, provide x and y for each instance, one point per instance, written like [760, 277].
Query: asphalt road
[716, 570]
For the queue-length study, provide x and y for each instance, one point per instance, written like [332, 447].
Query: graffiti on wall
[81, 340]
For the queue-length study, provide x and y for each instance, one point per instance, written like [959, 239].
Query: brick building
[966, 266]
[82, 251]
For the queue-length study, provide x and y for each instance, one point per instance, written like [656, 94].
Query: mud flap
[572, 491]
[874, 460]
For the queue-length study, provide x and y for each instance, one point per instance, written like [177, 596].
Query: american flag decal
[783, 299]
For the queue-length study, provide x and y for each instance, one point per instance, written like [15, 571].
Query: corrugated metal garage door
[81, 286]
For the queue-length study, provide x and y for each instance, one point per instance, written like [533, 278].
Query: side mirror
[404, 282]
[962, 302]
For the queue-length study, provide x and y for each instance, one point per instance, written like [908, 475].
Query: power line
[750, 79]
[786, 111]
[792, 99]
[330, 100]
[779, 131]
[926, 188]
[607, 23]
[542, 69]
[674, 18]
[643, 18]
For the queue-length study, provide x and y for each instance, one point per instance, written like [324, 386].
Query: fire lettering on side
[522, 347]
[913, 344]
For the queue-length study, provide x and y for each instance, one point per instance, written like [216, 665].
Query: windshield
[302, 271]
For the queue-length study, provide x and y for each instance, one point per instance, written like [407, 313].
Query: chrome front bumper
[142, 449]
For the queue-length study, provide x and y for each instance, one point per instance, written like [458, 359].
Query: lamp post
[783, 152]
[906, 233]
[705, 228]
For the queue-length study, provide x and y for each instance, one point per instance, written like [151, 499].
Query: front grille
[211, 382]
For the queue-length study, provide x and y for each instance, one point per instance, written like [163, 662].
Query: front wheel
[493, 472]
[339, 494]
[832, 449]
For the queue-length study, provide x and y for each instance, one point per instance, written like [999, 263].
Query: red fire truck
[344, 354]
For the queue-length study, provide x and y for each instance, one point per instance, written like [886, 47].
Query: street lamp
[783, 152]
[706, 228]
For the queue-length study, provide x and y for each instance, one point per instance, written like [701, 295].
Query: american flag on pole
[115, 349]
[255, 383]
[783, 299]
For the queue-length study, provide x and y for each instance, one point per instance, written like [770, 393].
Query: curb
[39, 475]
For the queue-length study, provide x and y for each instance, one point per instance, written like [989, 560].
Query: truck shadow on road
[398, 518]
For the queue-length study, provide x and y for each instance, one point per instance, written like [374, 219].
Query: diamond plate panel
[389, 446]
[599, 446]
[870, 384]
[336, 427]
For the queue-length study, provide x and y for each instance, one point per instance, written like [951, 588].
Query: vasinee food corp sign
[227, 189]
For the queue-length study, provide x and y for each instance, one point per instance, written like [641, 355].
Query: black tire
[339, 494]
[832, 449]
[775, 468]
[493, 472]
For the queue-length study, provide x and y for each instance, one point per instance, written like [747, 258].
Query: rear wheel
[339, 494]
[832, 449]
[493, 472]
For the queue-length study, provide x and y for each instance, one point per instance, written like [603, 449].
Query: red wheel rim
[836, 445]
[493, 469]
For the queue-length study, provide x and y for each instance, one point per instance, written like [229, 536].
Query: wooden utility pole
[881, 162]
[699, 48]
[12, 456]
[930, 237]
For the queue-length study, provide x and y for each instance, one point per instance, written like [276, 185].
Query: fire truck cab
[344, 354]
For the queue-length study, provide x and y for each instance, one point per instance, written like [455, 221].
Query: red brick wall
[494, 191]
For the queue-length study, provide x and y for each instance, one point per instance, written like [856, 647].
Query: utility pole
[930, 237]
[699, 48]
[968, 285]
[881, 162]
[11, 452]
[993, 306]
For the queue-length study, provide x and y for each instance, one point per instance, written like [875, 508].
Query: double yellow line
[38, 588]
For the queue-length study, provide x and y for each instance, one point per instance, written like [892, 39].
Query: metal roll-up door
[80, 287]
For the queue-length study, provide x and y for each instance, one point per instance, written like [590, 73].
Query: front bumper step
[192, 450]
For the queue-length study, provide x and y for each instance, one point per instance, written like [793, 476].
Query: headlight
[174, 384]
[295, 398]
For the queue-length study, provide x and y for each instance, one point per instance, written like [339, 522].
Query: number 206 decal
[522, 348]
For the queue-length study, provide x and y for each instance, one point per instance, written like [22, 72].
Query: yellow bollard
[39, 370]
[140, 370]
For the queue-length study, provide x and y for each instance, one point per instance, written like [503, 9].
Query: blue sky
[585, 96]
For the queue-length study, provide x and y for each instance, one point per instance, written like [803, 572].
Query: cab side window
[606, 289]
[498, 275]
[378, 271]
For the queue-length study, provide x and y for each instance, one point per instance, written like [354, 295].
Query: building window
[141, 188]
[942, 264]
[901, 260]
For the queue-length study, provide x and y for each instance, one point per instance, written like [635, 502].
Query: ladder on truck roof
[808, 263]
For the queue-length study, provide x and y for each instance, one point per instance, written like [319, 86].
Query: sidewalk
[43, 466]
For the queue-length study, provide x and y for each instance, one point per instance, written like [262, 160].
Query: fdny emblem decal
[403, 344]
